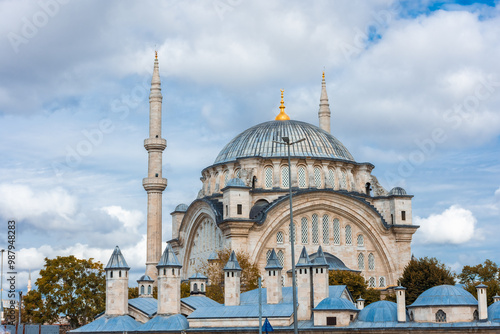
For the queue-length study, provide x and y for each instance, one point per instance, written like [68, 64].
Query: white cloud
[131, 219]
[455, 225]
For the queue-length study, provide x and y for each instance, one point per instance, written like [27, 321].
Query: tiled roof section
[243, 311]
[145, 278]
[273, 262]
[117, 261]
[259, 141]
[232, 263]
[196, 302]
[444, 295]
[164, 323]
[304, 259]
[121, 323]
[168, 258]
[320, 259]
[148, 306]
[336, 304]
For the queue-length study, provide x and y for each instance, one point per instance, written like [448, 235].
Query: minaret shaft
[324, 107]
[154, 184]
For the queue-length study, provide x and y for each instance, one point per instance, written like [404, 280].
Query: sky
[414, 88]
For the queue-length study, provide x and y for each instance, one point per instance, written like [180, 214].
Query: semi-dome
[445, 295]
[259, 141]
[181, 207]
[381, 311]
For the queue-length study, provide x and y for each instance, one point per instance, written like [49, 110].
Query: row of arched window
[361, 261]
[319, 179]
[372, 282]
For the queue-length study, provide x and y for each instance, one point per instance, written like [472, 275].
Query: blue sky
[414, 88]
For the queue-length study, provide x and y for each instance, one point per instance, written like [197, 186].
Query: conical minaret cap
[117, 261]
[169, 259]
[273, 262]
[304, 260]
[232, 263]
[320, 260]
[155, 81]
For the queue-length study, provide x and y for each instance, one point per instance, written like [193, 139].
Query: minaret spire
[29, 282]
[154, 184]
[324, 107]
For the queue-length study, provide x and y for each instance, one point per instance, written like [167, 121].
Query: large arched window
[343, 180]
[361, 261]
[226, 177]
[279, 238]
[336, 232]
[440, 316]
[315, 229]
[304, 231]
[284, 177]
[268, 177]
[361, 240]
[302, 177]
[381, 282]
[326, 229]
[348, 235]
[294, 233]
[317, 177]
[371, 282]
[268, 254]
[216, 182]
[331, 177]
[281, 257]
[371, 261]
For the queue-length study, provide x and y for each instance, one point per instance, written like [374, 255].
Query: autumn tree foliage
[486, 273]
[355, 283]
[214, 270]
[422, 274]
[68, 287]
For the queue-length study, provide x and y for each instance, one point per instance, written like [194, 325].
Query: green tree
[68, 287]
[355, 283]
[422, 274]
[185, 290]
[214, 270]
[486, 273]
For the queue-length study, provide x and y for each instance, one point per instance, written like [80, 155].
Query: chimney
[232, 276]
[401, 301]
[482, 305]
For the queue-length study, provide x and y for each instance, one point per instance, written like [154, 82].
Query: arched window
[279, 237]
[142, 289]
[317, 177]
[411, 315]
[110, 274]
[348, 235]
[216, 182]
[361, 240]
[237, 173]
[281, 257]
[268, 254]
[371, 282]
[284, 177]
[226, 177]
[381, 282]
[268, 177]
[195, 287]
[361, 261]
[294, 232]
[315, 229]
[475, 315]
[371, 262]
[331, 178]
[149, 289]
[343, 180]
[302, 177]
[440, 316]
[304, 230]
[326, 229]
[202, 287]
[336, 232]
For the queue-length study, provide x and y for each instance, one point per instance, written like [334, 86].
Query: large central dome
[258, 141]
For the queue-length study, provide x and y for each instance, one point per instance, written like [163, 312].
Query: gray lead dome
[258, 141]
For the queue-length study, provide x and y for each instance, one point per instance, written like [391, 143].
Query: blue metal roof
[145, 278]
[258, 141]
[398, 191]
[164, 323]
[196, 302]
[117, 261]
[147, 305]
[304, 260]
[252, 297]
[380, 311]
[243, 311]
[232, 263]
[494, 312]
[199, 276]
[336, 303]
[236, 182]
[334, 263]
[444, 295]
[168, 258]
[121, 323]
[273, 262]
[320, 259]
[181, 208]
[213, 256]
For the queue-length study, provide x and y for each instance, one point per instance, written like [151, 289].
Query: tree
[355, 283]
[214, 270]
[486, 273]
[134, 292]
[185, 290]
[68, 287]
[422, 274]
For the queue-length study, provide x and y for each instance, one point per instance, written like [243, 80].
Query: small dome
[181, 207]
[381, 311]
[145, 278]
[398, 191]
[334, 263]
[445, 295]
[236, 182]
[198, 276]
[494, 312]
[335, 304]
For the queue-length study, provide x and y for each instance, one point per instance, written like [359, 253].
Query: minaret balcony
[155, 144]
[154, 183]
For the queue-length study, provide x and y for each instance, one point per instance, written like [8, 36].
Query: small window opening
[142, 289]
[368, 188]
[240, 209]
[173, 272]
[331, 321]
[254, 181]
[392, 219]
[110, 274]
[156, 175]
[440, 316]
[156, 136]
[195, 287]
[164, 271]
[403, 215]
[227, 211]
[119, 273]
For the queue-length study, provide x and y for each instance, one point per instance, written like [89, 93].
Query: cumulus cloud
[455, 225]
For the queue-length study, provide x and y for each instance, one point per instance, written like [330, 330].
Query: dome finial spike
[156, 56]
[282, 116]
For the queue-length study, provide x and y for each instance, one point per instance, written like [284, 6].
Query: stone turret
[303, 274]
[273, 279]
[482, 302]
[236, 200]
[401, 302]
[169, 283]
[232, 277]
[320, 277]
[324, 107]
[145, 286]
[117, 284]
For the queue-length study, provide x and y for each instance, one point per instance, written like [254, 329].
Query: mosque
[343, 220]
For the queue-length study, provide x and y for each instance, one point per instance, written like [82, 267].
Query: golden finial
[323, 74]
[156, 54]
[282, 116]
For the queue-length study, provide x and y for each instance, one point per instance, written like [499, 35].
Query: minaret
[324, 107]
[154, 184]
[29, 282]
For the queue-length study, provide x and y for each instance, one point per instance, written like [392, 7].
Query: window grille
[281, 257]
[149, 289]
[343, 180]
[279, 237]
[294, 233]
[268, 182]
[317, 177]
[282, 280]
[217, 182]
[371, 282]
[268, 254]
[142, 289]
[284, 177]
[381, 282]
[440, 316]
[361, 240]
[302, 177]
[348, 235]
[361, 261]
[371, 261]
[336, 231]
[326, 230]
[331, 177]
[226, 178]
[304, 230]
[237, 173]
[315, 229]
